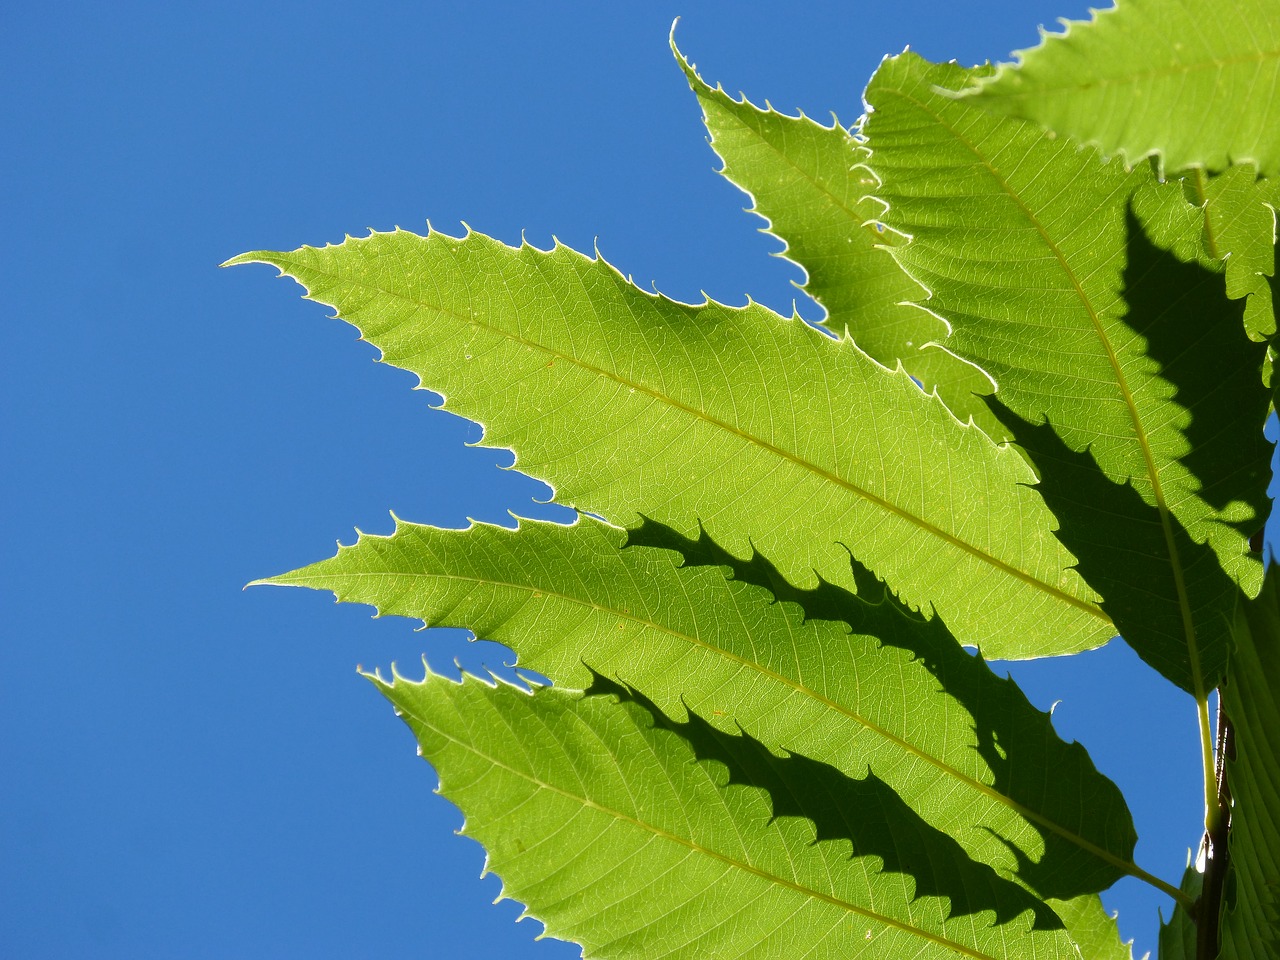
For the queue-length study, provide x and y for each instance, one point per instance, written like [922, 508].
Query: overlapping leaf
[1032, 250]
[1093, 930]
[1251, 698]
[755, 426]
[639, 836]
[1240, 224]
[1225, 221]
[1193, 80]
[805, 179]
[970, 755]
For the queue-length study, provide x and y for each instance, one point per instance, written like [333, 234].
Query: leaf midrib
[1001, 799]
[760, 442]
[698, 848]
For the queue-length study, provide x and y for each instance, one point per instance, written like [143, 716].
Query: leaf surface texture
[1037, 253]
[855, 682]
[808, 181]
[1251, 698]
[736, 418]
[639, 836]
[1193, 80]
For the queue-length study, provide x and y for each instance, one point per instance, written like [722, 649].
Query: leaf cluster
[1030, 421]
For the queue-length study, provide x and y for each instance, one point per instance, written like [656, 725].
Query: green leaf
[805, 179]
[1093, 930]
[1195, 81]
[638, 836]
[824, 674]
[1240, 224]
[1251, 700]
[1178, 936]
[1225, 222]
[1036, 253]
[761, 429]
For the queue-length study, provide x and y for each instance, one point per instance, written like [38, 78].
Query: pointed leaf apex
[278, 580]
[252, 256]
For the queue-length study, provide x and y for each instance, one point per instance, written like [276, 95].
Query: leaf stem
[1212, 814]
[1178, 896]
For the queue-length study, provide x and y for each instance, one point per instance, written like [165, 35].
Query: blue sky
[193, 770]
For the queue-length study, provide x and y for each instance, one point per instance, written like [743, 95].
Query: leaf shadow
[1196, 335]
[1013, 738]
[866, 812]
[1121, 551]
[1152, 574]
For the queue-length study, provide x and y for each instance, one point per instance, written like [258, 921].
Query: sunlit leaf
[1036, 252]
[1191, 80]
[640, 836]
[824, 674]
[759, 428]
[765, 737]
[1093, 930]
[804, 179]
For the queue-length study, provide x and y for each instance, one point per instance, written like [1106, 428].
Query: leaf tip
[277, 580]
[252, 256]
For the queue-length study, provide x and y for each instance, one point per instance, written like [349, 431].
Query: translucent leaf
[761, 429]
[1038, 256]
[804, 178]
[1225, 222]
[1240, 224]
[1093, 930]
[826, 674]
[637, 835]
[1196, 81]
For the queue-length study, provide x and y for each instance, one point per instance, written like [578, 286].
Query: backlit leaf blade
[758, 427]
[1116, 535]
[1227, 223]
[804, 179]
[1033, 252]
[637, 836]
[1240, 224]
[1194, 80]
[1251, 700]
[824, 673]
[1093, 930]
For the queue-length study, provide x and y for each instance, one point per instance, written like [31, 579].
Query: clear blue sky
[190, 770]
